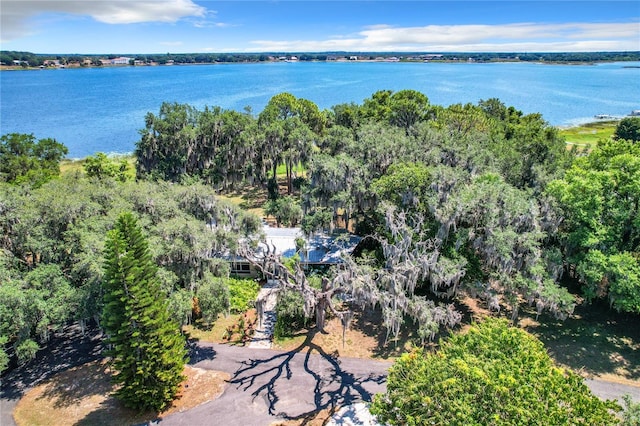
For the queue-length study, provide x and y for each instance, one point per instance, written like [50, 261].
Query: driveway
[265, 385]
[269, 385]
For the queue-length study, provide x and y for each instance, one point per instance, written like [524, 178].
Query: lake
[102, 109]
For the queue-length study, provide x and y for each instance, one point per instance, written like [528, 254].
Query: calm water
[92, 110]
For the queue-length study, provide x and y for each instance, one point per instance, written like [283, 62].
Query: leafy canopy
[25, 160]
[599, 198]
[492, 375]
[629, 129]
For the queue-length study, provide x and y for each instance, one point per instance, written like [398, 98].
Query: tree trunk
[321, 312]
[289, 185]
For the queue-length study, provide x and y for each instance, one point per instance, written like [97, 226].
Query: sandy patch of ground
[81, 396]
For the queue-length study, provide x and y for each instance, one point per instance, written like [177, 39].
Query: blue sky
[181, 26]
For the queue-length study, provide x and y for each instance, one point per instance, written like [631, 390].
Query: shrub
[290, 315]
[286, 210]
[492, 375]
[631, 412]
[4, 357]
[243, 293]
[213, 298]
[26, 351]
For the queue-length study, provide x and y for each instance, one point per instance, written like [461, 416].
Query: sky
[194, 26]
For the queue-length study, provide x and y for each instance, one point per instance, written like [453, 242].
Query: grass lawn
[253, 198]
[249, 199]
[587, 135]
[218, 333]
[595, 342]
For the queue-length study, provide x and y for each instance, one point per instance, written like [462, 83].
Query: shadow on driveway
[284, 376]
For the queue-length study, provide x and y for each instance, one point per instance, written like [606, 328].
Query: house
[122, 60]
[319, 250]
[431, 56]
[116, 61]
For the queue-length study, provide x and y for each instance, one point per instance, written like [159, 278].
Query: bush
[286, 210]
[290, 315]
[213, 298]
[492, 375]
[26, 351]
[243, 293]
[631, 412]
[4, 357]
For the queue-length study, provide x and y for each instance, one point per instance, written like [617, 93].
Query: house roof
[320, 248]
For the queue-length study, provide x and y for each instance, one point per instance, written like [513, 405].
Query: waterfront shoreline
[340, 61]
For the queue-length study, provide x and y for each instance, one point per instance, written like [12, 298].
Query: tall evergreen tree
[147, 349]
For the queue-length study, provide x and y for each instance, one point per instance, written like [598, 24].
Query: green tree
[146, 346]
[629, 129]
[404, 185]
[290, 125]
[213, 298]
[408, 108]
[493, 374]
[528, 151]
[600, 235]
[50, 298]
[167, 141]
[25, 160]
[377, 108]
[285, 210]
[100, 166]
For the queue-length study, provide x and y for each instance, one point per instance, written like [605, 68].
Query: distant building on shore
[121, 60]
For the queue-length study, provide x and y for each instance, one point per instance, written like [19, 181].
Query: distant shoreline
[13, 60]
[342, 61]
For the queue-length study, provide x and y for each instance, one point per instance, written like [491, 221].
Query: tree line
[37, 59]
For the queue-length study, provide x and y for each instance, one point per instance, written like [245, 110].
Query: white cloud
[211, 24]
[16, 14]
[515, 37]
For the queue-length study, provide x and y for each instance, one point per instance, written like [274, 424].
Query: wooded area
[466, 200]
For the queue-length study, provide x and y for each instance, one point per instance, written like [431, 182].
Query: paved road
[269, 385]
[610, 390]
[266, 385]
[66, 349]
